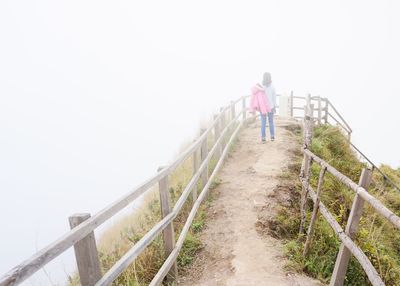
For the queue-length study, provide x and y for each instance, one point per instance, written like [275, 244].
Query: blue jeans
[263, 124]
[270, 123]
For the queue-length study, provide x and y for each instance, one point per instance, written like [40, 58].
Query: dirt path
[234, 252]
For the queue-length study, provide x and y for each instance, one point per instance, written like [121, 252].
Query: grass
[376, 237]
[119, 238]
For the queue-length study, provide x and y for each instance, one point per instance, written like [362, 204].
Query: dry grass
[121, 236]
[377, 238]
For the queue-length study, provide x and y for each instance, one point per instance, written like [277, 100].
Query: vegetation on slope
[118, 239]
[379, 240]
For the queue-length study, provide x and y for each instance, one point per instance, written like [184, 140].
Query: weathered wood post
[319, 110]
[217, 134]
[308, 122]
[326, 110]
[222, 124]
[303, 164]
[196, 166]
[86, 253]
[291, 104]
[223, 118]
[168, 232]
[342, 260]
[312, 125]
[203, 156]
[244, 108]
[232, 116]
[307, 161]
[304, 192]
[315, 212]
[233, 110]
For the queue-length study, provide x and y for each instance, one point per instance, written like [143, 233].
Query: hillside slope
[376, 237]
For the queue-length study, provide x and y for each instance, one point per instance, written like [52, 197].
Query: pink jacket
[259, 100]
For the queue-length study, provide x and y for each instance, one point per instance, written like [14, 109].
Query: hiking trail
[234, 252]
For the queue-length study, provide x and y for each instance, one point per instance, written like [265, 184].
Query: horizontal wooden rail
[157, 280]
[375, 203]
[86, 228]
[47, 254]
[346, 128]
[340, 116]
[348, 246]
[347, 241]
[375, 167]
[322, 110]
[130, 256]
[240, 99]
[126, 260]
[339, 123]
[24, 270]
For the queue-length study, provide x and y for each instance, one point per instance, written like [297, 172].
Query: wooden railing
[227, 123]
[82, 238]
[348, 246]
[322, 109]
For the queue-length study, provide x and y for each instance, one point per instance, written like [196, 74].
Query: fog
[95, 95]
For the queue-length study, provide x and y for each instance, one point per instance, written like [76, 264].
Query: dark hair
[267, 79]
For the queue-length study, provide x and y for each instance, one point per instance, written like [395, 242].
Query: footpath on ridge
[234, 252]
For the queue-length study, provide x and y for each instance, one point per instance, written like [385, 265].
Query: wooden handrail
[375, 203]
[375, 167]
[130, 256]
[338, 122]
[348, 246]
[348, 242]
[24, 270]
[157, 280]
[340, 116]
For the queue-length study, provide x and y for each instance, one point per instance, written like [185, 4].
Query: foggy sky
[95, 95]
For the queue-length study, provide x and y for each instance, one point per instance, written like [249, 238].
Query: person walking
[271, 94]
[259, 102]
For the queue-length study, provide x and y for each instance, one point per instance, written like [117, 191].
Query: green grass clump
[379, 240]
[190, 247]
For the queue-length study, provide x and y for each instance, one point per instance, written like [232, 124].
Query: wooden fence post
[233, 110]
[217, 134]
[306, 169]
[244, 108]
[86, 253]
[196, 166]
[304, 192]
[342, 260]
[315, 211]
[291, 103]
[168, 232]
[232, 116]
[203, 156]
[319, 110]
[311, 127]
[223, 118]
[222, 124]
[326, 110]
[303, 165]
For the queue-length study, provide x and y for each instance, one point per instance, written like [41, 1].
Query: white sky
[94, 95]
